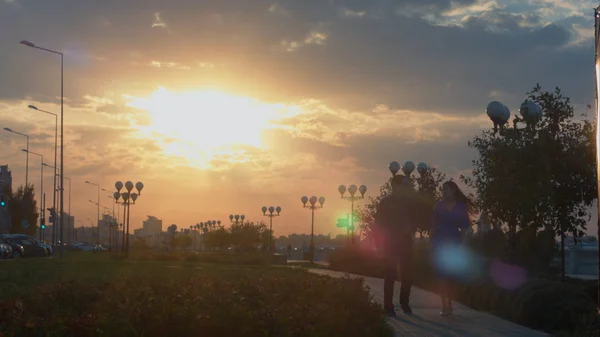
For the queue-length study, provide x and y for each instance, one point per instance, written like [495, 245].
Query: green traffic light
[2, 203]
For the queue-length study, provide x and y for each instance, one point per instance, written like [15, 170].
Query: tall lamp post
[273, 211]
[62, 168]
[531, 113]
[71, 225]
[98, 216]
[129, 198]
[42, 217]
[352, 189]
[69, 206]
[312, 206]
[26, 157]
[33, 107]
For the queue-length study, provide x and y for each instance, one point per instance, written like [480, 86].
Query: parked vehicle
[100, 248]
[5, 250]
[31, 247]
[48, 247]
[84, 246]
[17, 250]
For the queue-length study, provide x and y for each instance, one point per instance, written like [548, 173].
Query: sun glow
[199, 125]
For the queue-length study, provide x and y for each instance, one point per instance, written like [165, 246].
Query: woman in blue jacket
[451, 216]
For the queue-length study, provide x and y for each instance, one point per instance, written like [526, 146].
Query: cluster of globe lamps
[129, 198]
[272, 212]
[499, 113]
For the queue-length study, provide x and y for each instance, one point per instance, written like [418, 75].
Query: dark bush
[220, 258]
[250, 303]
[354, 261]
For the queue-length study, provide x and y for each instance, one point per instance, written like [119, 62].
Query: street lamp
[313, 206]
[69, 208]
[128, 199]
[26, 157]
[98, 216]
[352, 189]
[33, 107]
[42, 217]
[530, 113]
[273, 211]
[113, 202]
[71, 226]
[62, 124]
[239, 219]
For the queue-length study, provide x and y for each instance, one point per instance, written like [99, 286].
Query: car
[5, 250]
[100, 248]
[48, 247]
[31, 247]
[17, 250]
[84, 246]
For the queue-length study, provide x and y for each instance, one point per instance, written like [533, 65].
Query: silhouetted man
[394, 226]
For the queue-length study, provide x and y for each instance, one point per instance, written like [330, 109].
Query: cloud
[158, 22]
[376, 81]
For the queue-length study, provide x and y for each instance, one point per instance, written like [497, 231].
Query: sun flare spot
[199, 125]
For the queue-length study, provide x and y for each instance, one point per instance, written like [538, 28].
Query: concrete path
[426, 320]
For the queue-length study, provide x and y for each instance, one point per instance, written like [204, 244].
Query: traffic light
[51, 218]
[43, 224]
[2, 201]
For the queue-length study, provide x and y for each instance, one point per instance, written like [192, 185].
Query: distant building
[5, 184]
[152, 225]
[104, 228]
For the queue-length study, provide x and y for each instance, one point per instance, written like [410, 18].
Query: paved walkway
[426, 320]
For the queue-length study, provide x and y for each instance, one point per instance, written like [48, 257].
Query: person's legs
[406, 277]
[389, 278]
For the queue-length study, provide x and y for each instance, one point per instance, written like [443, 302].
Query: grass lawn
[88, 294]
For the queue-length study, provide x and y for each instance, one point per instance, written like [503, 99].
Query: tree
[183, 241]
[246, 237]
[428, 188]
[217, 238]
[22, 206]
[542, 176]
[140, 244]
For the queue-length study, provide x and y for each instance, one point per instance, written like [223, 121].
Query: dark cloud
[401, 60]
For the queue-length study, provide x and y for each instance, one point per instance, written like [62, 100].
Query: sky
[224, 106]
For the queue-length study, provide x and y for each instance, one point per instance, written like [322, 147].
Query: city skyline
[222, 108]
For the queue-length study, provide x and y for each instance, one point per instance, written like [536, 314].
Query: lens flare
[507, 276]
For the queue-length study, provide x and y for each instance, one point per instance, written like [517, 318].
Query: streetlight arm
[32, 45]
[31, 152]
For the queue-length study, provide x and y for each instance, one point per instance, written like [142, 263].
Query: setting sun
[198, 125]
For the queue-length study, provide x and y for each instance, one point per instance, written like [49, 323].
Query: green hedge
[539, 304]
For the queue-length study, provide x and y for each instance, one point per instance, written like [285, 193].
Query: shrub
[355, 261]
[221, 258]
[261, 303]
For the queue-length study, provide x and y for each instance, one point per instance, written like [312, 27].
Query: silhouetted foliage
[183, 241]
[247, 236]
[540, 177]
[217, 238]
[22, 206]
[140, 244]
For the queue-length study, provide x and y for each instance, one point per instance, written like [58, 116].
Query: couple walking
[395, 222]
